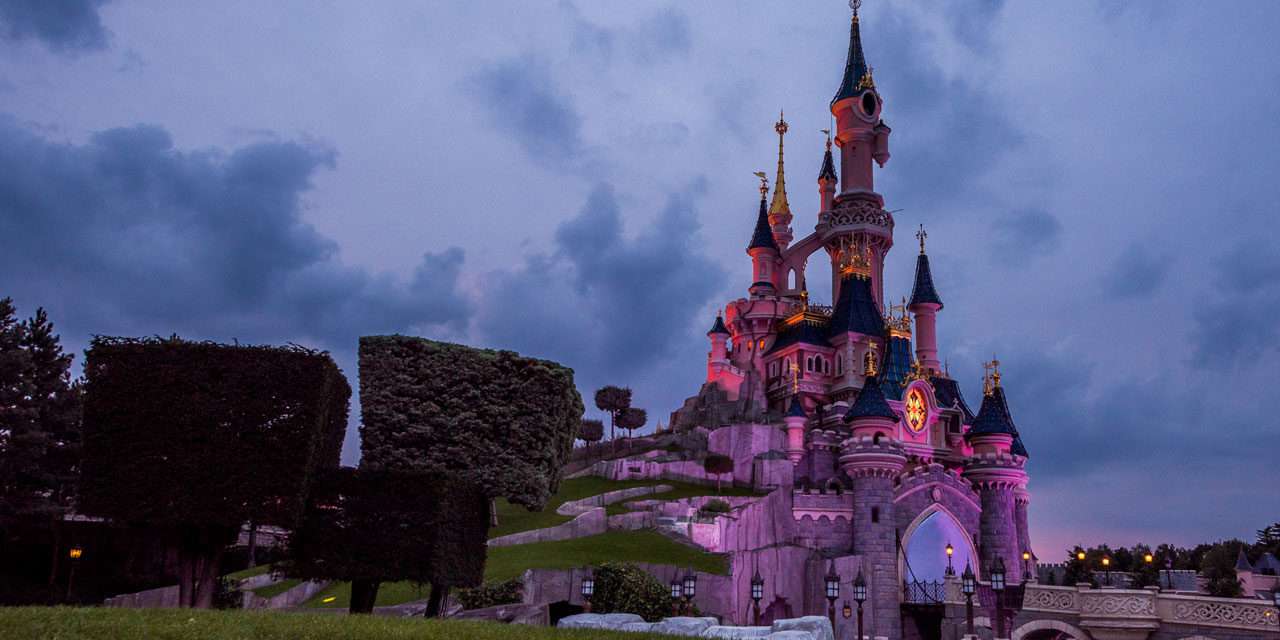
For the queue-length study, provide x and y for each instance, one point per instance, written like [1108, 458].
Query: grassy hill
[65, 623]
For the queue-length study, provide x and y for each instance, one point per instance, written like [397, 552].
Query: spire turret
[871, 404]
[763, 236]
[763, 249]
[857, 75]
[779, 209]
[827, 178]
[923, 290]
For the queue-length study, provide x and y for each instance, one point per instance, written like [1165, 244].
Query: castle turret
[719, 335]
[779, 209]
[795, 420]
[827, 178]
[873, 460]
[925, 305]
[763, 249]
[997, 475]
[860, 134]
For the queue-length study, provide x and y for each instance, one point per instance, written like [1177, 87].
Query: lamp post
[588, 590]
[690, 589]
[1147, 559]
[950, 552]
[1168, 572]
[860, 596]
[1106, 566]
[968, 586]
[833, 592]
[74, 553]
[1026, 567]
[997, 585]
[676, 589]
[757, 592]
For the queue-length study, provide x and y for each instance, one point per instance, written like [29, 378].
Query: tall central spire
[857, 75]
[779, 209]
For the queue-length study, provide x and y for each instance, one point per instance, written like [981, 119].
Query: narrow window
[875, 514]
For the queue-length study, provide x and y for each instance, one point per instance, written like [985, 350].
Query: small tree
[1218, 566]
[613, 400]
[1145, 574]
[632, 419]
[626, 588]
[1077, 570]
[717, 464]
[591, 431]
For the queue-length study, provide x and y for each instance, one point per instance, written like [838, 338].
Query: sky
[573, 180]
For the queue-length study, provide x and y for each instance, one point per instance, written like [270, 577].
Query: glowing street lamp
[75, 552]
[950, 552]
[1026, 567]
[690, 589]
[968, 586]
[1080, 555]
[1106, 565]
[588, 590]
[757, 593]
[997, 585]
[833, 592]
[860, 596]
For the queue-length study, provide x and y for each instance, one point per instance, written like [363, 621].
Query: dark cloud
[662, 36]
[522, 98]
[1235, 324]
[62, 25]
[609, 305]
[1136, 273]
[1019, 236]
[127, 234]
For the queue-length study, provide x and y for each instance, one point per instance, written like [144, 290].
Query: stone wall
[876, 541]
[806, 628]
[743, 442]
[593, 522]
[999, 534]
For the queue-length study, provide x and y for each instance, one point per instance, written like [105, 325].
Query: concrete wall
[590, 523]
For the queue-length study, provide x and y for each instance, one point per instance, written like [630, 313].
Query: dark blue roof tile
[870, 403]
[923, 290]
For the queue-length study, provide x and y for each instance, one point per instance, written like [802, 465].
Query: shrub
[626, 588]
[494, 418]
[715, 507]
[492, 594]
[192, 439]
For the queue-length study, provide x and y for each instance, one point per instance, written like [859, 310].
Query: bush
[491, 595]
[715, 507]
[626, 588]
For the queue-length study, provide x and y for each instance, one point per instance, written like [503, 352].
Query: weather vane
[827, 132]
[854, 5]
[764, 182]
[921, 235]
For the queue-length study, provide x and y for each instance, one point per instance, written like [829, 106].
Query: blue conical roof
[923, 290]
[870, 403]
[993, 417]
[828, 171]
[897, 363]
[856, 309]
[719, 327]
[855, 66]
[797, 409]
[763, 236]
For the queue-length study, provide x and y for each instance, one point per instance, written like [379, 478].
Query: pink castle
[876, 458]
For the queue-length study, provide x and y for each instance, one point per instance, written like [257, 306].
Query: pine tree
[55, 405]
[16, 418]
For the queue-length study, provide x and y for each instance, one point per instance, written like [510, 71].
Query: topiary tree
[626, 588]
[192, 439]
[370, 527]
[501, 421]
[717, 464]
[631, 419]
[613, 400]
[591, 431]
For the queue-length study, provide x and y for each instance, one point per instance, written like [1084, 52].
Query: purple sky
[573, 180]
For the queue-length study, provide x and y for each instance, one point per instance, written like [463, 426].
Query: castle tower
[856, 216]
[763, 250]
[719, 354]
[779, 209]
[997, 475]
[925, 305]
[827, 178]
[795, 420]
[872, 458]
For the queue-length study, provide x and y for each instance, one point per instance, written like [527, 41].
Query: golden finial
[870, 366]
[804, 298]
[795, 378]
[779, 206]
[854, 5]
[915, 372]
[828, 133]
[898, 322]
[866, 81]
[764, 182]
[781, 125]
[855, 260]
[921, 235]
[991, 379]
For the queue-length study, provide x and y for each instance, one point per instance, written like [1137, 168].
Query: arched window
[808, 363]
[839, 365]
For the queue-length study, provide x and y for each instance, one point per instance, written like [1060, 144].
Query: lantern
[997, 575]
[588, 586]
[833, 582]
[860, 588]
[675, 588]
[968, 582]
[690, 584]
[757, 587]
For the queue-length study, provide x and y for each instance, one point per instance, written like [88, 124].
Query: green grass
[65, 623]
[250, 572]
[515, 518]
[275, 589]
[505, 563]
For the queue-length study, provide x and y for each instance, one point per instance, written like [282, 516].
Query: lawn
[515, 518]
[680, 490]
[508, 562]
[277, 588]
[255, 570]
[65, 623]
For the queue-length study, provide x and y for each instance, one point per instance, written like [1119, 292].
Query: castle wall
[743, 442]
[999, 533]
[874, 539]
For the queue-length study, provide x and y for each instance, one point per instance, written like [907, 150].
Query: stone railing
[1141, 606]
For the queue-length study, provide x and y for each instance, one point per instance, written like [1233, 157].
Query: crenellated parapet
[931, 476]
[825, 440]
[996, 470]
[868, 456]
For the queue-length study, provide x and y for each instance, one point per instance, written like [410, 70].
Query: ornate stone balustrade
[1234, 613]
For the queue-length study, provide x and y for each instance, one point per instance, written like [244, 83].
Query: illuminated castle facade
[849, 407]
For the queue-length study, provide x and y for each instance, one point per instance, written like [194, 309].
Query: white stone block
[598, 620]
[719, 631]
[819, 627]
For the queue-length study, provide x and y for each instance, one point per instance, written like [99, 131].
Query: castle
[847, 409]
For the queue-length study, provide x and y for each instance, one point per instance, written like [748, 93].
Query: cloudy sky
[573, 180]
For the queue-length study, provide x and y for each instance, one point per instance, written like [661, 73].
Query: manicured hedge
[192, 439]
[496, 418]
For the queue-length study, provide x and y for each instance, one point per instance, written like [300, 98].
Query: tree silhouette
[631, 419]
[613, 400]
[591, 431]
[718, 465]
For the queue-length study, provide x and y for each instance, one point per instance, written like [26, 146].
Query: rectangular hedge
[495, 418]
[180, 433]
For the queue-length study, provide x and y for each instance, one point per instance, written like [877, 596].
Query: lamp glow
[75, 552]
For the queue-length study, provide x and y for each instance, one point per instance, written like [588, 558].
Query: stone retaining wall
[806, 628]
[290, 598]
[590, 523]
